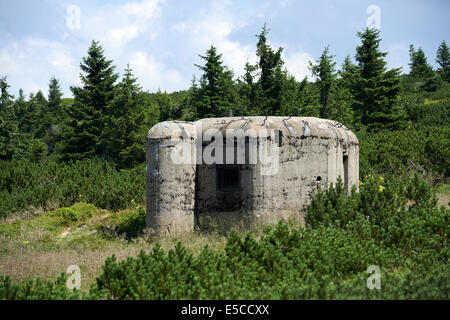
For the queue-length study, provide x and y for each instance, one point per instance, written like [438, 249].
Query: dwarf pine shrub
[79, 212]
[36, 289]
[25, 184]
[420, 149]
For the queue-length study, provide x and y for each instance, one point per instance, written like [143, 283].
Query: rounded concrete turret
[170, 177]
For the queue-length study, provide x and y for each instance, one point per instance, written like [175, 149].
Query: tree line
[108, 117]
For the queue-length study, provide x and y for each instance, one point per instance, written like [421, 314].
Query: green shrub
[400, 214]
[398, 153]
[49, 184]
[79, 212]
[432, 114]
[129, 222]
[36, 289]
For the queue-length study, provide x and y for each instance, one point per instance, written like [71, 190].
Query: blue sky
[161, 39]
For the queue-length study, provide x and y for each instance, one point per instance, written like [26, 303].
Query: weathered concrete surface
[170, 187]
[314, 153]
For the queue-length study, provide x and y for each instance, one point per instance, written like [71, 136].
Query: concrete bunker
[220, 173]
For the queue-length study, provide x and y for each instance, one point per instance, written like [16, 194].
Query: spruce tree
[29, 120]
[217, 93]
[348, 73]
[343, 100]
[88, 115]
[419, 67]
[335, 96]
[377, 89]
[269, 90]
[276, 91]
[127, 126]
[54, 99]
[190, 101]
[340, 106]
[308, 99]
[30, 113]
[325, 73]
[54, 114]
[246, 89]
[443, 60]
[168, 110]
[21, 110]
[8, 124]
[288, 97]
[41, 117]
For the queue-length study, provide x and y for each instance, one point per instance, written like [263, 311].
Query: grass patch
[44, 246]
[443, 194]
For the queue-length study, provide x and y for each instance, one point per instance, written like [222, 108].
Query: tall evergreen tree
[340, 107]
[40, 115]
[276, 91]
[30, 113]
[127, 126]
[168, 110]
[335, 96]
[288, 97]
[325, 73]
[247, 88]
[54, 99]
[22, 110]
[54, 114]
[29, 119]
[377, 89]
[419, 67]
[217, 93]
[308, 99]
[443, 60]
[348, 73]
[343, 100]
[270, 85]
[89, 113]
[190, 101]
[8, 123]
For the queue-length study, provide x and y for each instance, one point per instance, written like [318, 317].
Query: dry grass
[29, 263]
[33, 254]
[443, 195]
[30, 213]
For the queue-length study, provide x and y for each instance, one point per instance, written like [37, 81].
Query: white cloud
[398, 56]
[118, 37]
[235, 55]
[154, 75]
[33, 61]
[116, 25]
[297, 64]
[145, 9]
[214, 27]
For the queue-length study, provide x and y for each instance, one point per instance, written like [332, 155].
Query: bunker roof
[289, 126]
